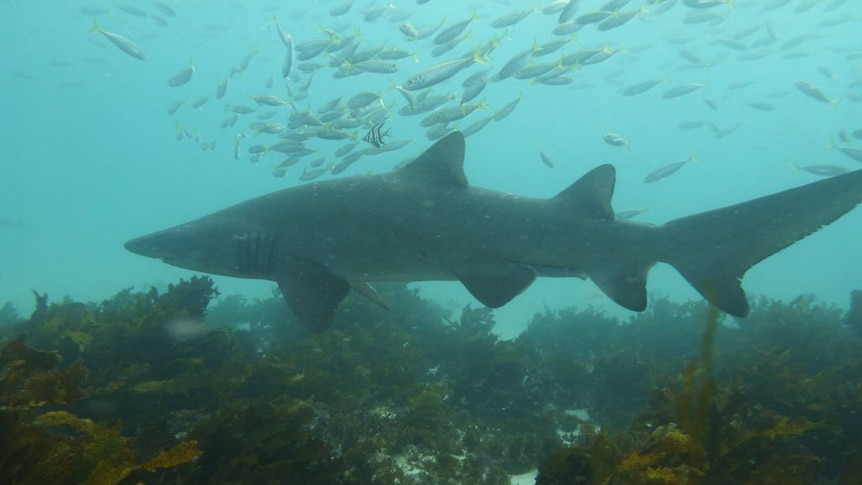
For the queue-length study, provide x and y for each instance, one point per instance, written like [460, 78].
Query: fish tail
[96, 28]
[713, 250]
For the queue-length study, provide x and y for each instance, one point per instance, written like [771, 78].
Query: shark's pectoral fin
[313, 293]
[625, 288]
[495, 284]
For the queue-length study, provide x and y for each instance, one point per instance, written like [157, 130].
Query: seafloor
[151, 387]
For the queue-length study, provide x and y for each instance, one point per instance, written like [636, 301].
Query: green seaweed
[238, 392]
[36, 446]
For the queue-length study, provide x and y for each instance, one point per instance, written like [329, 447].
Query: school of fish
[435, 72]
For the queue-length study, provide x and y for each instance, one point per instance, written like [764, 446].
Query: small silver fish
[409, 31]
[122, 43]
[546, 159]
[514, 64]
[175, 106]
[268, 100]
[377, 66]
[851, 151]
[438, 73]
[812, 91]
[240, 109]
[183, 76]
[568, 11]
[666, 170]
[450, 33]
[822, 169]
[475, 127]
[221, 89]
[761, 106]
[617, 19]
[313, 174]
[165, 9]
[681, 90]
[197, 103]
[507, 109]
[342, 9]
[449, 115]
[629, 213]
[363, 99]
[511, 18]
[615, 139]
[639, 88]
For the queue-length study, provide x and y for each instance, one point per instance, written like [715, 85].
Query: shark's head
[210, 246]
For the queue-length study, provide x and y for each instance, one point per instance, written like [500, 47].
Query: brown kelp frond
[420, 393]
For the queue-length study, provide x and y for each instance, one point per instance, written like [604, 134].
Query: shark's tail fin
[713, 250]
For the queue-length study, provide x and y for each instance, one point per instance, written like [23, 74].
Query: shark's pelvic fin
[442, 164]
[590, 195]
[496, 284]
[313, 293]
[713, 250]
[369, 292]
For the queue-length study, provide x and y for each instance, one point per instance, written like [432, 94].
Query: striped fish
[375, 135]
[225, 332]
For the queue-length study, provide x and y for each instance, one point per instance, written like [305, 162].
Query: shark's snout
[145, 246]
[135, 246]
[182, 246]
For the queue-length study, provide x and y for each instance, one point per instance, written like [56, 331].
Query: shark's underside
[424, 222]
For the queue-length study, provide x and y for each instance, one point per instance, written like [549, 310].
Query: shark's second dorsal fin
[591, 194]
[442, 164]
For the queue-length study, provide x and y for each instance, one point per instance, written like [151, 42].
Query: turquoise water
[89, 157]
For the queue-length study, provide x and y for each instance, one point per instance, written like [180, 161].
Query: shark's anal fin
[313, 293]
[626, 287]
[495, 284]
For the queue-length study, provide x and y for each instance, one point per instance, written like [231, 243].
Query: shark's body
[424, 222]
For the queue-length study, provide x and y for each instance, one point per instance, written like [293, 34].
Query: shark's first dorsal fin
[443, 163]
[590, 195]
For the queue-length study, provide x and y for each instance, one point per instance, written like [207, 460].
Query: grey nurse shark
[425, 222]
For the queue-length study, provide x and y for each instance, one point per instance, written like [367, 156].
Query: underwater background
[90, 158]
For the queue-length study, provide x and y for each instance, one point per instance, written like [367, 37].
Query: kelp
[238, 392]
[31, 379]
[36, 446]
[764, 418]
[104, 452]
